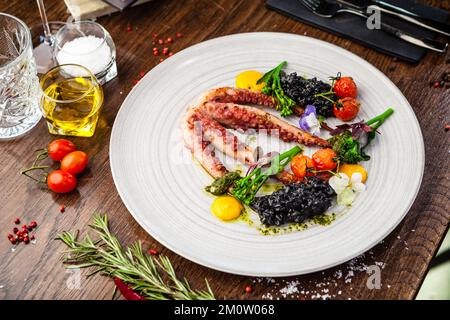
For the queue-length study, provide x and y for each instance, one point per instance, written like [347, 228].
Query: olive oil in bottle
[72, 106]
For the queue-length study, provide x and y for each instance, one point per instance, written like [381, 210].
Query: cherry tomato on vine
[324, 159]
[345, 87]
[61, 181]
[300, 164]
[75, 162]
[58, 149]
[346, 109]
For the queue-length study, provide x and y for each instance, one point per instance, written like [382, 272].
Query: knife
[430, 24]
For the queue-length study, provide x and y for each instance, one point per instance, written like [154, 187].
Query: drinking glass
[19, 84]
[71, 99]
[88, 44]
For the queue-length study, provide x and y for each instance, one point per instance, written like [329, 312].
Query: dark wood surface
[35, 271]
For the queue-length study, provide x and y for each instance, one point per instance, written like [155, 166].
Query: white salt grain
[89, 51]
[290, 289]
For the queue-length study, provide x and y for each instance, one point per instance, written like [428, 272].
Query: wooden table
[35, 271]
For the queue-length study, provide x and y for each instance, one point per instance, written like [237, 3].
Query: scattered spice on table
[24, 235]
[329, 287]
[442, 82]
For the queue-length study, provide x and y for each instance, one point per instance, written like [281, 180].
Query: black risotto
[294, 203]
[302, 91]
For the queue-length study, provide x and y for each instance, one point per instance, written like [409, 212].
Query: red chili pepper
[141, 74]
[156, 53]
[33, 224]
[165, 51]
[62, 208]
[135, 82]
[436, 84]
[129, 29]
[248, 289]
[155, 35]
[153, 252]
[26, 240]
[161, 41]
[447, 127]
[161, 59]
[17, 221]
[126, 291]
[169, 40]
[179, 35]
[170, 54]
[15, 230]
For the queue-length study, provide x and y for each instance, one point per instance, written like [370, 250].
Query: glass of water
[19, 84]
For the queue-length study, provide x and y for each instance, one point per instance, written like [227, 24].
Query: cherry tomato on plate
[324, 159]
[346, 109]
[61, 181]
[300, 164]
[75, 162]
[58, 149]
[345, 87]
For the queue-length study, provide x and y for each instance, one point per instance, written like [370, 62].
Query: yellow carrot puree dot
[350, 169]
[248, 79]
[226, 208]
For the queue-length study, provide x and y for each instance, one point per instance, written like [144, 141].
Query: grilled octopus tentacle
[236, 116]
[201, 149]
[222, 139]
[242, 96]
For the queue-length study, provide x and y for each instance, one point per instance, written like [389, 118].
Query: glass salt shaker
[88, 44]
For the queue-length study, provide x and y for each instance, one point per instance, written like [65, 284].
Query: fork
[326, 9]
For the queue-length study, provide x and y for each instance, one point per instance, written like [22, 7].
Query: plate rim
[213, 266]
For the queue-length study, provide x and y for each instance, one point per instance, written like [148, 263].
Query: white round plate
[162, 187]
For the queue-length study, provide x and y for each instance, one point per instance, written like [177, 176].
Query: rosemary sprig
[153, 278]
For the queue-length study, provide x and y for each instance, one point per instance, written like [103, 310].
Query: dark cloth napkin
[353, 27]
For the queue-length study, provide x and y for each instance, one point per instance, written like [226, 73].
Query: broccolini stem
[380, 118]
[246, 188]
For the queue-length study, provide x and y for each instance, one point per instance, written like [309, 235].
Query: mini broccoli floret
[347, 149]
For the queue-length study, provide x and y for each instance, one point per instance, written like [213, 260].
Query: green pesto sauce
[323, 220]
[245, 217]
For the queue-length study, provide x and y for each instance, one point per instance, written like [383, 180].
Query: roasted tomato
[58, 149]
[325, 159]
[75, 162]
[346, 109]
[61, 181]
[345, 87]
[300, 165]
